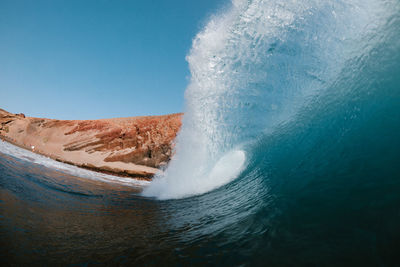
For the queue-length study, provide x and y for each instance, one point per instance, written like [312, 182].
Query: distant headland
[134, 147]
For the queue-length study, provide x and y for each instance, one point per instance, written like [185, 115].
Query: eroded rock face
[144, 140]
[109, 144]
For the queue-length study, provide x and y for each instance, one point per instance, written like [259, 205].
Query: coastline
[115, 172]
[132, 147]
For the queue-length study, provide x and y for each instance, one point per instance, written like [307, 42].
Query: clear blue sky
[81, 59]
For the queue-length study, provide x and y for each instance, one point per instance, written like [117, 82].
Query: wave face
[253, 68]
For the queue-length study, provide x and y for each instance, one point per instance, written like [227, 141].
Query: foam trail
[26, 155]
[252, 67]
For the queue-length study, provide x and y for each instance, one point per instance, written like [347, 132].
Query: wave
[255, 67]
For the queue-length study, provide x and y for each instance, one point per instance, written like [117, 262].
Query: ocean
[289, 155]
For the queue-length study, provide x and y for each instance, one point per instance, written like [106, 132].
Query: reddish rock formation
[133, 146]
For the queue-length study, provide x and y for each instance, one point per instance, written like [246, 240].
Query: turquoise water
[309, 92]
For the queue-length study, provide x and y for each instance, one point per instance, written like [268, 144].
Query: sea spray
[252, 68]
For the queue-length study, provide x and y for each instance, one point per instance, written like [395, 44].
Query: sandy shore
[133, 147]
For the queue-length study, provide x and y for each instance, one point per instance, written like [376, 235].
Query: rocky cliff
[133, 146]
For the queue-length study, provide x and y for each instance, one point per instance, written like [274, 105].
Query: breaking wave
[259, 66]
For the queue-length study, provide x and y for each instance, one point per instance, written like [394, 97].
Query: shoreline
[130, 147]
[122, 174]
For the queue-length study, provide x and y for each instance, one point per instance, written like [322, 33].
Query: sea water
[288, 155]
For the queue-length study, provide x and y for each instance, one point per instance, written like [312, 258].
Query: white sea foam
[26, 155]
[225, 170]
